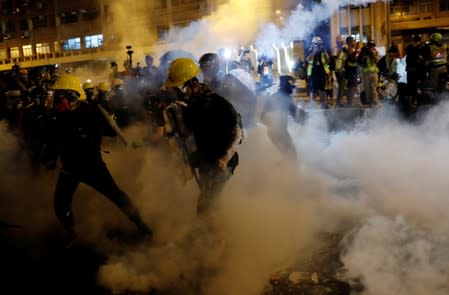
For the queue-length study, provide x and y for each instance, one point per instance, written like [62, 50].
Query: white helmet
[317, 40]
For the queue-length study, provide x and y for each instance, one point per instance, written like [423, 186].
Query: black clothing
[76, 136]
[215, 126]
[212, 120]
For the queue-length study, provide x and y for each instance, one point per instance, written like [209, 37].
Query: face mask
[63, 106]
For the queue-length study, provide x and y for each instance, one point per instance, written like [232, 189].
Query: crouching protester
[76, 134]
[210, 122]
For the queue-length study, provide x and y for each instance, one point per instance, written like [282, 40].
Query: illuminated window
[94, 41]
[3, 54]
[42, 48]
[14, 52]
[72, 44]
[27, 50]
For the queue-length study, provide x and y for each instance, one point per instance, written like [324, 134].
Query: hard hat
[317, 40]
[148, 58]
[436, 37]
[23, 72]
[208, 57]
[70, 82]
[393, 49]
[416, 37]
[180, 71]
[88, 85]
[103, 86]
[117, 82]
[209, 62]
[371, 43]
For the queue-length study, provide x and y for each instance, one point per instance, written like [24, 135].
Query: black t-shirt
[212, 119]
[77, 135]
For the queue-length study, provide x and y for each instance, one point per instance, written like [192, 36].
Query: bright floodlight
[227, 53]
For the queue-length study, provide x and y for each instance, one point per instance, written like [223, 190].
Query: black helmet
[393, 49]
[148, 59]
[349, 39]
[208, 58]
[416, 37]
[371, 44]
[209, 63]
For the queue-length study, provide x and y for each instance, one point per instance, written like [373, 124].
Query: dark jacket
[76, 137]
[212, 119]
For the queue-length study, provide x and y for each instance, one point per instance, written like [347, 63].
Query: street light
[129, 52]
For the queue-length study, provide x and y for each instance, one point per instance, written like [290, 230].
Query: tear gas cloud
[380, 184]
[383, 184]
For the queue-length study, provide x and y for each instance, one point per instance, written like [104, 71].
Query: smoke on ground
[382, 183]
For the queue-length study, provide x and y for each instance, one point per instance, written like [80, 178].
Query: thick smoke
[300, 24]
[382, 184]
[233, 24]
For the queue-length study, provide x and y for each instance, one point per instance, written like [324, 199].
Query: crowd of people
[359, 69]
[59, 123]
[201, 107]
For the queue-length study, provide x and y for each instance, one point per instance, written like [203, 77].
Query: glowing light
[256, 54]
[227, 53]
[278, 57]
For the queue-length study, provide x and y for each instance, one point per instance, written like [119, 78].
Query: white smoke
[382, 183]
[407, 258]
[300, 24]
[387, 177]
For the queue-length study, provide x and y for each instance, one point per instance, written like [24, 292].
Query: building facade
[40, 32]
[392, 22]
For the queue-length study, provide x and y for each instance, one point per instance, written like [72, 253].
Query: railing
[411, 17]
[53, 55]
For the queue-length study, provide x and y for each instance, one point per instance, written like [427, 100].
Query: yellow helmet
[103, 86]
[180, 71]
[436, 37]
[70, 82]
[88, 85]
